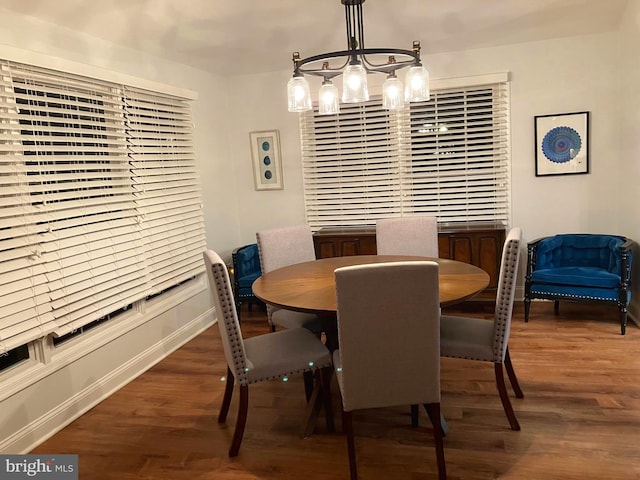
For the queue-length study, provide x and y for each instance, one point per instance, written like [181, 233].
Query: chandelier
[354, 64]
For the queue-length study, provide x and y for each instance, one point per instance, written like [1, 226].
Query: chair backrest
[246, 260]
[416, 235]
[389, 334]
[506, 292]
[280, 247]
[580, 250]
[228, 324]
[246, 268]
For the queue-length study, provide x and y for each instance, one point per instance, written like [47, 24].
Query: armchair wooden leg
[347, 426]
[504, 397]
[241, 421]
[433, 410]
[556, 307]
[226, 400]
[511, 373]
[623, 322]
[527, 307]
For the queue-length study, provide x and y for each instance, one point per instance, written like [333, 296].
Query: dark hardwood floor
[580, 416]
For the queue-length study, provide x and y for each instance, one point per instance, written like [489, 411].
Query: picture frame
[266, 160]
[562, 143]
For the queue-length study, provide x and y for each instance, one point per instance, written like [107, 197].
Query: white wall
[627, 196]
[260, 103]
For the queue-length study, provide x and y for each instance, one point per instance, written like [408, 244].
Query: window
[447, 157]
[97, 184]
[13, 357]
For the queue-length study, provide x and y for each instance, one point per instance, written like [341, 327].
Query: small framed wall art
[267, 164]
[562, 144]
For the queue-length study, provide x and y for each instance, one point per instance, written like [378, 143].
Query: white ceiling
[229, 37]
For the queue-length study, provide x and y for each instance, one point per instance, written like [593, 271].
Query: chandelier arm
[359, 52]
[388, 67]
[327, 74]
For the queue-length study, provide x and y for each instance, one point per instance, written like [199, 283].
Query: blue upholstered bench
[580, 267]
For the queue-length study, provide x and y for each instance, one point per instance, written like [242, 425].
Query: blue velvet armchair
[246, 269]
[580, 267]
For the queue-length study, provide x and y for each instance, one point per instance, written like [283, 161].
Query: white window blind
[75, 241]
[447, 157]
[166, 186]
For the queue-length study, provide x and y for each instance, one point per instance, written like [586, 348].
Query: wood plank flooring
[580, 416]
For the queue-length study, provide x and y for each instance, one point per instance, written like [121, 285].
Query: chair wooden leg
[415, 420]
[623, 322]
[511, 373]
[327, 374]
[226, 400]
[504, 397]
[322, 385]
[241, 421]
[415, 416]
[556, 307]
[308, 384]
[433, 410]
[347, 426]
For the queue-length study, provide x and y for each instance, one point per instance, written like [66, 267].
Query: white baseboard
[40, 429]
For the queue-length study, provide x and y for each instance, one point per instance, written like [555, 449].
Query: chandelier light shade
[328, 99]
[298, 94]
[392, 94]
[354, 64]
[416, 84]
[354, 84]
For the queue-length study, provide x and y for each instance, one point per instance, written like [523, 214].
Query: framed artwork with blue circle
[266, 160]
[562, 143]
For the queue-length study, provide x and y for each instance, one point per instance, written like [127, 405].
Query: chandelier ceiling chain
[354, 64]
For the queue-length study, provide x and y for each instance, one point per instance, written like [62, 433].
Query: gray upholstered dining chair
[279, 247]
[389, 334]
[486, 340]
[264, 357]
[417, 235]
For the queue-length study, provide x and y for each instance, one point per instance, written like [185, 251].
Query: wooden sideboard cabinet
[479, 244]
[343, 242]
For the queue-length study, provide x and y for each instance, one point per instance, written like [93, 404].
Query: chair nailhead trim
[571, 295]
[504, 300]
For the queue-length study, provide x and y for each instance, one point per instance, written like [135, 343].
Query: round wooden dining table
[310, 286]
